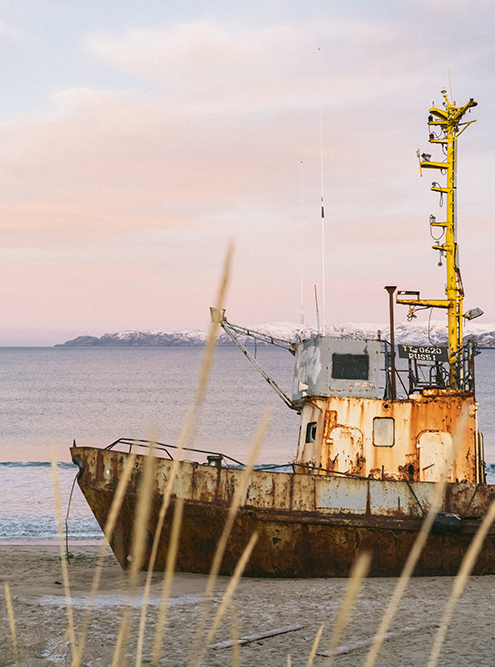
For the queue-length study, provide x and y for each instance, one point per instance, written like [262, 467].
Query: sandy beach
[34, 575]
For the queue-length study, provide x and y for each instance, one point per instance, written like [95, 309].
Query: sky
[139, 138]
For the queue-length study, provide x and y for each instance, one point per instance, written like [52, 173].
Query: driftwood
[252, 638]
[363, 643]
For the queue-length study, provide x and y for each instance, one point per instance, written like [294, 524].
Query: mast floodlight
[473, 314]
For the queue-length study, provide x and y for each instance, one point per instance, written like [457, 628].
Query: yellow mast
[448, 121]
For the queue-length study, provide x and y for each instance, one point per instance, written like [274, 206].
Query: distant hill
[413, 334]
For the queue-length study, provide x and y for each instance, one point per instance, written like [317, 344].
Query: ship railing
[419, 375]
[406, 377]
[220, 460]
[213, 458]
[464, 366]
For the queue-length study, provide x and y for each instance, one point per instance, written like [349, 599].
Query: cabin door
[344, 450]
[434, 448]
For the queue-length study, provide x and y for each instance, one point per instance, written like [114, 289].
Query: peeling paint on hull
[309, 526]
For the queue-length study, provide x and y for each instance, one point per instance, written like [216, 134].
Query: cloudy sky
[138, 138]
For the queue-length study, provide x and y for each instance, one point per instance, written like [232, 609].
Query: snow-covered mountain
[411, 334]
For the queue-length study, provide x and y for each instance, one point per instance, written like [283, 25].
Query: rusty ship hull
[308, 525]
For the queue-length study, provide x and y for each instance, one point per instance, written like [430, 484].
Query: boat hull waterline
[308, 525]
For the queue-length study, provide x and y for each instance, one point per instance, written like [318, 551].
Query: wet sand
[34, 575]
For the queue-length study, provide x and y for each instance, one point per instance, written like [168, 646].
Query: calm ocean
[51, 396]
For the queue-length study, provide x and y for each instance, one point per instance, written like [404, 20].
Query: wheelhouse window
[350, 366]
[311, 432]
[383, 431]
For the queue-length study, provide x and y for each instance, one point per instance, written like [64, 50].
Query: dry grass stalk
[139, 542]
[239, 496]
[161, 518]
[359, 572]
[212, 334]
[10, 611]
[186, 431]
[141, 519]
[315, 647]
[227, 597]
[460, 581]
[63, 560]
[234, 635]
[419, 543]
[121, 642]
[108, 531]
[167, 581]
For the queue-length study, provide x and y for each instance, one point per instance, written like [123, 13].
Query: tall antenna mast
[302, 246]
[317, 310]
[323, 302]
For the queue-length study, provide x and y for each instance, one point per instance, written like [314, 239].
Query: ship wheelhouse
[348, 429]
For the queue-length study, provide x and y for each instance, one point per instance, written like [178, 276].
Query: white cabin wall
[424, 425]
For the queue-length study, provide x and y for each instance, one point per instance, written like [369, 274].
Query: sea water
[52, 396]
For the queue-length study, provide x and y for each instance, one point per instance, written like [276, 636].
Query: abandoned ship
[369, 455]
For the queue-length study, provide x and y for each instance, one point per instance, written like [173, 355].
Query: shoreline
[34, 575]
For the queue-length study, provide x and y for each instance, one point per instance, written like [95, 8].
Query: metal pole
[393, 387]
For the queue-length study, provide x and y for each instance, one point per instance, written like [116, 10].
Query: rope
[439, 238]
[415, 497]
[429, 325]
[67, 553]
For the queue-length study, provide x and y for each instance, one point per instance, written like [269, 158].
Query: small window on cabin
[350, 366]
[383, 431]
[311, 432]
